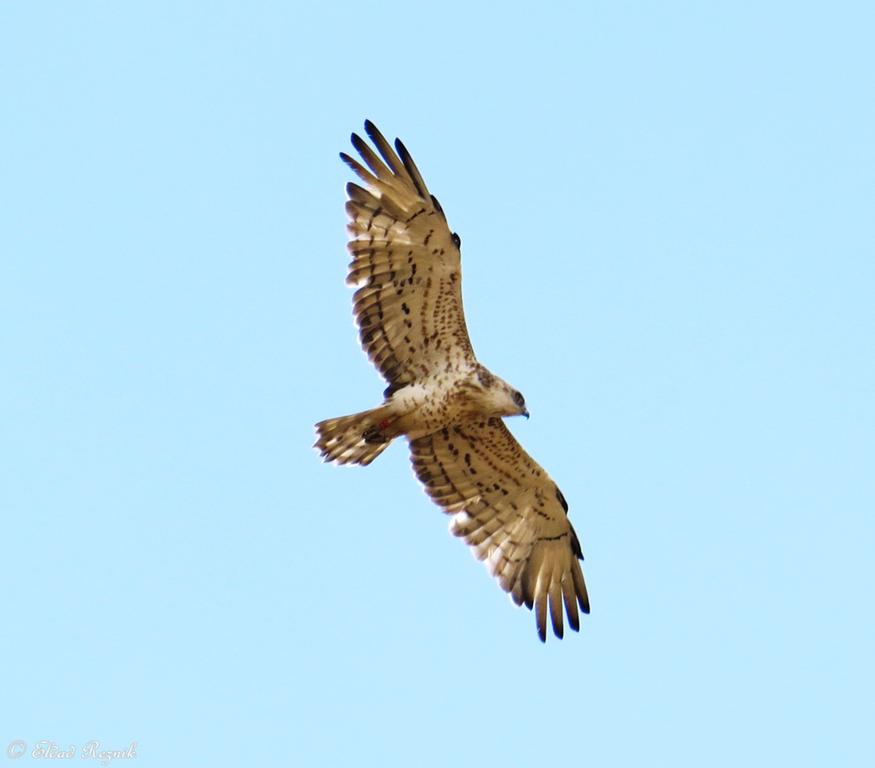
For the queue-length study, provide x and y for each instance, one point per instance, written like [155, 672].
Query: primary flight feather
[406, 264]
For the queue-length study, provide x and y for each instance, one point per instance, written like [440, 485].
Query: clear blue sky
[668, 246]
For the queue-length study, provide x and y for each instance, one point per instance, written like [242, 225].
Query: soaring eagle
[406, 264]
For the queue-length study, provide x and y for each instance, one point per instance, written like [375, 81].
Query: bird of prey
[406, 264]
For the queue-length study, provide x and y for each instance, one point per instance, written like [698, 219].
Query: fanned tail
[355, 439]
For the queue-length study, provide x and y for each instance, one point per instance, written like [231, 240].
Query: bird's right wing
[509, 510]
[407, 264]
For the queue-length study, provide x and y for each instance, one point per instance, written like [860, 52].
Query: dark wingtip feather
[541, 616]
[405, 156]
[357, 141]
[411, 168]
[561, 498]
[556, 612]
[355, 192]
[374, 133]
[385, 149]
[583, 601]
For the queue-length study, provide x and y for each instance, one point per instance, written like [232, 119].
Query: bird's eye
[518, 399]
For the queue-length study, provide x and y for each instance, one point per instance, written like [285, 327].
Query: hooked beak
[525, 413]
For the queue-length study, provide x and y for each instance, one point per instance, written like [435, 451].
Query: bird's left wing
[509, 510]
[407, 265]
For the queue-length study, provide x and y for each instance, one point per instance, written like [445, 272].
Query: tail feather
[354, 439]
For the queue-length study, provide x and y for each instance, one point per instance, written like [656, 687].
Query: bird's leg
[378, 433]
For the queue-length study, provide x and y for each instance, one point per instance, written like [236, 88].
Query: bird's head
[511, 401]
[520, 402]
[495, 396]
